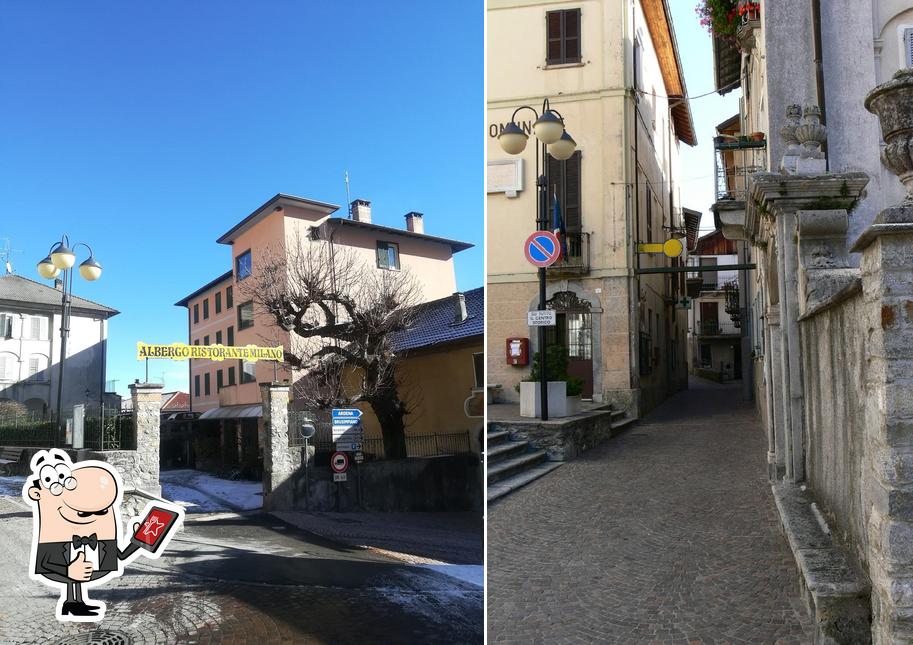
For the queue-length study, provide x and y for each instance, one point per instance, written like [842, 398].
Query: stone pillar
[776, 456]
[279, 461]
[887, 266]
[147, 407]
[772, 210]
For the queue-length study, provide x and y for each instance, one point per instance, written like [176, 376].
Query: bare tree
[343, 314]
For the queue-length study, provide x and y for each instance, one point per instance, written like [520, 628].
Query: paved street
[665, 534]
[245, 579]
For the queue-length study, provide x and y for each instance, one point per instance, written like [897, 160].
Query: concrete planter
[573, 405]
[530, 399]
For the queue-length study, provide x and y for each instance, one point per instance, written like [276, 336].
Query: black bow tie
[91, 541]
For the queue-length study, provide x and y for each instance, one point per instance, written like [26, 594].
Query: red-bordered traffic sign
[542, 249]
[339, 462]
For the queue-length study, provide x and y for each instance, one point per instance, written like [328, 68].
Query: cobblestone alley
[665, 534]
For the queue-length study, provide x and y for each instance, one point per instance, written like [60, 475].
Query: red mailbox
[518, 351]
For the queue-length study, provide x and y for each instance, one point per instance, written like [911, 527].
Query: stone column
[279, 461]
[887, 265]
[147, 406]
[776, 455]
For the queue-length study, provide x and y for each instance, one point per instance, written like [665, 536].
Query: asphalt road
[230, 578]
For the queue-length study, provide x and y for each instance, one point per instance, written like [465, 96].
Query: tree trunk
[391, 415]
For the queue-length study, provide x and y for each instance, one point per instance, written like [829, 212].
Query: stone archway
[571, 299]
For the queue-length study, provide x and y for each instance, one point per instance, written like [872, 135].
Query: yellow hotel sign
[182, 352]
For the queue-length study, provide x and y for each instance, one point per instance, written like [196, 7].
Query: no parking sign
[542, 249]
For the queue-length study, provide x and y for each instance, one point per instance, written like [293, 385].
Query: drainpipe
[633, 214]
[819, 70]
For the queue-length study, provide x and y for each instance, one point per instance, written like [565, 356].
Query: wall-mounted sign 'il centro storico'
[182, 351]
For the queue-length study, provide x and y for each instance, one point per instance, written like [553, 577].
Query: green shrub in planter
[557, 370]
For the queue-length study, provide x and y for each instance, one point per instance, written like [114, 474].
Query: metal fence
[432, 445]
[108, 429]
[27, 431]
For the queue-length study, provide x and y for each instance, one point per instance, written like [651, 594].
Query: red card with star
[154, 527]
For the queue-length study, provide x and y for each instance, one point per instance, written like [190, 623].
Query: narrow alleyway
[665, 534]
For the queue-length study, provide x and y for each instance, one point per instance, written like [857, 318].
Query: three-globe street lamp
[61, 258]
[555, 141]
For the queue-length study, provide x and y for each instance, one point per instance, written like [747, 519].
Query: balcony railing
[735, 160]
[716, 328]
[577, 260]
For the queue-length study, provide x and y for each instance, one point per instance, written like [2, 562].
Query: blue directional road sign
[347, 431]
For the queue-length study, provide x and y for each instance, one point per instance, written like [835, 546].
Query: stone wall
[834, 377]
[451, 484]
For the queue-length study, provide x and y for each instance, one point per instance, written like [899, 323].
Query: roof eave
[228, 237]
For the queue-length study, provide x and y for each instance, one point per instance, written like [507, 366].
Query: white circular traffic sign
[339, 462]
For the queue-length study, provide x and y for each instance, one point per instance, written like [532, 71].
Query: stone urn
[811, 134]
[892, 103]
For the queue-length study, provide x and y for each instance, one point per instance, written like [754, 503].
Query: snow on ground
[471, 573]
[11, 486]
[200, 492]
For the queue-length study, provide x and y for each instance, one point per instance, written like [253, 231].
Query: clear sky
[149, 129]
[696, 52]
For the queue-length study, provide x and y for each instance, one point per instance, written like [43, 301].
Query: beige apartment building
[612, 70]
[227, 391]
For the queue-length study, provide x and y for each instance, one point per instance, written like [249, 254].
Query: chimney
[415, 222]
[459, 307]
[360, 210]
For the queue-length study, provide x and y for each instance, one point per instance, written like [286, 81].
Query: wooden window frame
[562, 39]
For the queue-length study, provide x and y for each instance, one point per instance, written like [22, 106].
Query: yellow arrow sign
[671, 248]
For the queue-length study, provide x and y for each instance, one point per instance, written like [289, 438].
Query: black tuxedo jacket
[54, 557]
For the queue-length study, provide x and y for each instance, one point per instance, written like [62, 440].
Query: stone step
[496, 437]
[618, 426]
[617, 414]
[507, 467]
[510, 484]
[505, 450]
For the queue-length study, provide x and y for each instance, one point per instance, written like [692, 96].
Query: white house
[30, 314]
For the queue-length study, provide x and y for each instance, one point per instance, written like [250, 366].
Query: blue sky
[696, 52]
[149, 129]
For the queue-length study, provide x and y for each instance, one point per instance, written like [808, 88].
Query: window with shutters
[34, 367]
[205, 308]
[218, 338]
[196, 313]
[229, 298]
[231, 375]
[231, 336]
[562, 36]
[219, 380]
[35, 328]
[218, 298]
[6, 326]
[205, 340]
[564, 181]
[196, 386]
[908, 47]
[8, 363]
[206, 384]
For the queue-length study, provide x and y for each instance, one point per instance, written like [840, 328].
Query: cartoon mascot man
[75, 535]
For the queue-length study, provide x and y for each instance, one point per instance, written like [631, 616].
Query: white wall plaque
[505, 176]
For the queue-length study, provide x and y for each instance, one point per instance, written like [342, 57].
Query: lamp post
[555, 141]
[61, 258]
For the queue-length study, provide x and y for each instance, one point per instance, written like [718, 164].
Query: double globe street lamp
[61, 259]
[554, 141]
